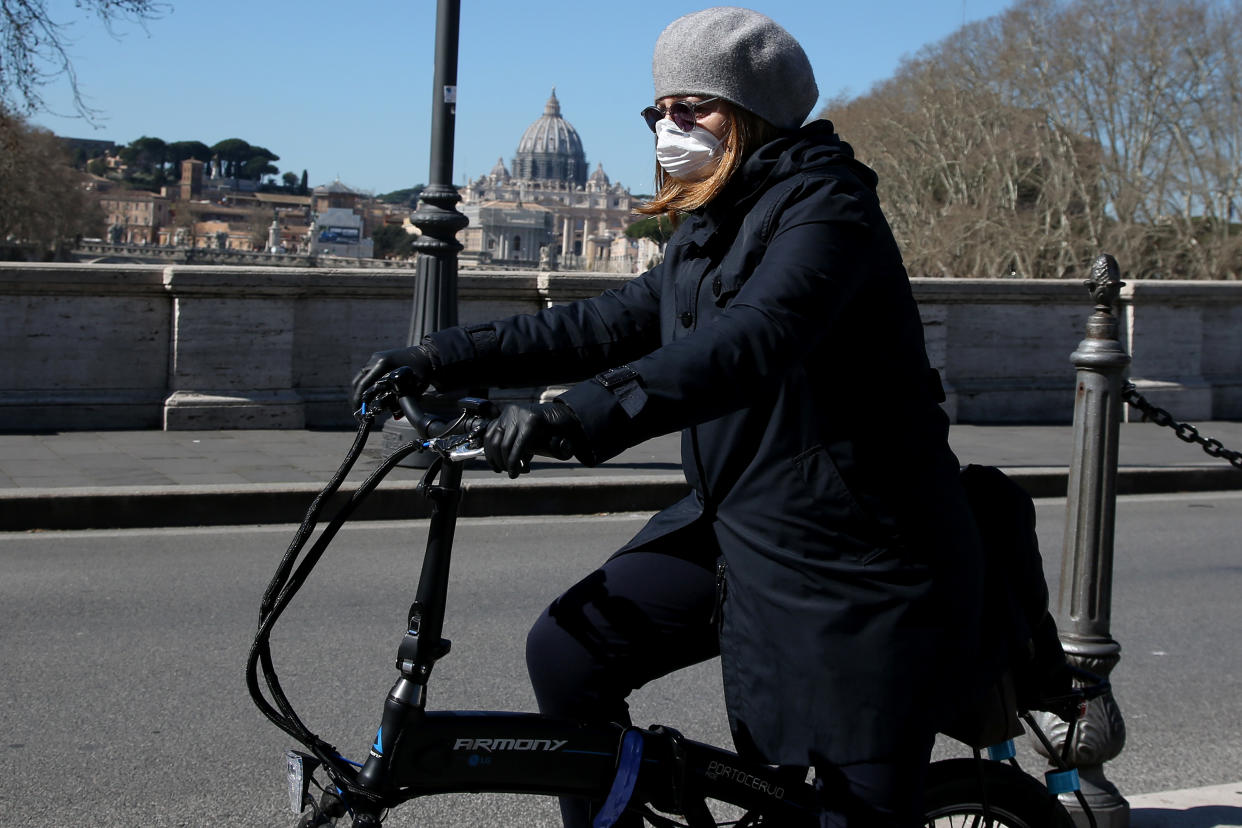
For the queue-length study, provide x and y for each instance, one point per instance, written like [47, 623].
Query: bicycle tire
[957, 789]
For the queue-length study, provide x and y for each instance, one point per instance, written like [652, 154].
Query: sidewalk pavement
[120, 479]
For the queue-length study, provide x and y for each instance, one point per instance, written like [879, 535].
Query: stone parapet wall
[187, 346]
[97, 252]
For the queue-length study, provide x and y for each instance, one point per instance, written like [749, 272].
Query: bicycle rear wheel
[957, 790]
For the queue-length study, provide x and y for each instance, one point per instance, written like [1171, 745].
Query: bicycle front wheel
[968, 792]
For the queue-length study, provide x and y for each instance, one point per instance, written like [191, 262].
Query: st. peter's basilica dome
[550, 149]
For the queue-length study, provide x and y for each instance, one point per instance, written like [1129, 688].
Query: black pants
[647, 613]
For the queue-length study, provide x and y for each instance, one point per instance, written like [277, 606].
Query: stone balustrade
[190, 347]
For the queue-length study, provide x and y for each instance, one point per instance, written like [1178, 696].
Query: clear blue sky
[344, 89]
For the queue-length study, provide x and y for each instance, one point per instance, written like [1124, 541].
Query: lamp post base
[1108, 806]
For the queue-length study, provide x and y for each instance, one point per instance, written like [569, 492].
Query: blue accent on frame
[378, 747]
[623, 785]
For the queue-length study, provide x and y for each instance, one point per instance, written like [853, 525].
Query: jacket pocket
[861, 537]
[821, 475]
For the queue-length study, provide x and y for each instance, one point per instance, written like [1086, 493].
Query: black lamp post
[435, 301]
[435, 294]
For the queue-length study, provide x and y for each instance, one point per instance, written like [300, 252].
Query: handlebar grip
[558, 448]
[408, 391]
[418, 420]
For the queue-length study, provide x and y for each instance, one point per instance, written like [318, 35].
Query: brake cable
[285, 584]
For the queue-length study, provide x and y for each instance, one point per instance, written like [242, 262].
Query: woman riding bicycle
[826, 552]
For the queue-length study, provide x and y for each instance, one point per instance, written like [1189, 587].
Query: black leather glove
[417, 358]
[521, 431]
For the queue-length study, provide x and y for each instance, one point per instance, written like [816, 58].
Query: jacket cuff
[461, 349]
[606, 406]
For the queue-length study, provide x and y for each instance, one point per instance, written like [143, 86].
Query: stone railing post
[1087, 562]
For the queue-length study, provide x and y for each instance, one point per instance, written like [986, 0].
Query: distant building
[204, 224]
[548, 208]
[508, 231]
[134, 216]
[219, 184]
[191, 179]
[292, 214]
[203, 209]
[339, 228]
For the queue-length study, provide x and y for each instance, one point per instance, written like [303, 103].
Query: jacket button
[716, 286]
[687, 319]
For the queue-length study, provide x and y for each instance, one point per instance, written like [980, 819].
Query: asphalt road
[122, 699]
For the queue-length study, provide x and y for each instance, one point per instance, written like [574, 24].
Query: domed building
[551, 151]
[544, 209]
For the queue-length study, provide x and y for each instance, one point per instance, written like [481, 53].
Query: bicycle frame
[419, 753]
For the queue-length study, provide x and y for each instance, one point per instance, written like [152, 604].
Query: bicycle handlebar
[457, 438]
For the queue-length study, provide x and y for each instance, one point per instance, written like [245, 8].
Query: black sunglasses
[683, 113]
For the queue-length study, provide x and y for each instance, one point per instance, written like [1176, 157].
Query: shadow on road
[1203, 816]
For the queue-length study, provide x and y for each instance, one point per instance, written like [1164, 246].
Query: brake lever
[459, 455]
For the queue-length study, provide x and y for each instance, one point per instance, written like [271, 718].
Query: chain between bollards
[1184, 431]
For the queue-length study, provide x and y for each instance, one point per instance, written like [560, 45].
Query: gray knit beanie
[742, 56]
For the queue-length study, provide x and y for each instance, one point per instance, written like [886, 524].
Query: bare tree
[1026, 143]
[43, 203]
[32, 47]
[1145, 80]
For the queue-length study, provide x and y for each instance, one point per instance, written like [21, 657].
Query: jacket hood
[813, 147]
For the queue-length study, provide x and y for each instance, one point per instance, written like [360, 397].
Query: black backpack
[1025, 666]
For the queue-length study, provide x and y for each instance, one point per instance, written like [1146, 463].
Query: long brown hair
[744, 132]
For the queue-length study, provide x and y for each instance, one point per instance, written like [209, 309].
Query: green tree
[257, 167]
[657, 228]
[290, 181]
[259, 163]
[303, 186]
[241, 159]
[33, 47]
[391, 241]
[145, 154]
[233, 152]
[180, 151]
[407, 196]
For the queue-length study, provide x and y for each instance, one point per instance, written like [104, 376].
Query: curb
[130, 507]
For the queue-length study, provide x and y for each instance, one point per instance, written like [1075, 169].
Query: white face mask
[686, 155]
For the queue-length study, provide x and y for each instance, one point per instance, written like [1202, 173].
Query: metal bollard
[1087, 562]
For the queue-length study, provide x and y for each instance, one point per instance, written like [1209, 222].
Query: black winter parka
[781, 337]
